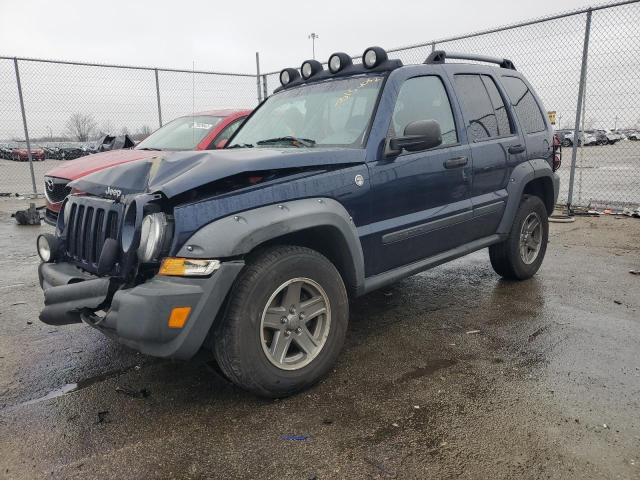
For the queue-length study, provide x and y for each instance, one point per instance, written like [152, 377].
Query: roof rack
[439, 56]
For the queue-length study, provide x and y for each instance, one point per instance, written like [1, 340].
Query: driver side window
[424, 98]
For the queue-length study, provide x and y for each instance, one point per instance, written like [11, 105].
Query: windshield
[184, 133]
[333, 113]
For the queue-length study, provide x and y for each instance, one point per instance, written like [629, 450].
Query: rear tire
[272, 340]
[519, 257]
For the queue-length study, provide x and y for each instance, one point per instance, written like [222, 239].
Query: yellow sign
[552, 117]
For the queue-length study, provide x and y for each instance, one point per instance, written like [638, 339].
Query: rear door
[533, 123]
[496, 147]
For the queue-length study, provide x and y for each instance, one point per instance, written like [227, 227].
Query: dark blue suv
[345, 180]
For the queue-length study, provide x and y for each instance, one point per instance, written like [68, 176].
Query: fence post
[581, 91]
[158, 97]
[265, 90]
[433, 47]
[258, 77]
[24, 124]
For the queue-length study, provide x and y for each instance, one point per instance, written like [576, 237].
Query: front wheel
[519, 256]
[285, 323]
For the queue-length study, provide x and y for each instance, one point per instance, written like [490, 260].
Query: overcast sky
[224, 36]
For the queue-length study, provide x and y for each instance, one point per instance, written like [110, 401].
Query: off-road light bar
[374, 56]
[338, 61]
[288, 75]
[310, 68]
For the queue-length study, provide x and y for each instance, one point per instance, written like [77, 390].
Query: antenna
[313, 37]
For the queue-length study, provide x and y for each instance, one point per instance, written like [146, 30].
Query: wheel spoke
[533, 224]
[272, 318]
[313, 307]
[292, 295]
[280, 346]
[306, 341]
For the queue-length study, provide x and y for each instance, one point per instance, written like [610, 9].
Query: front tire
[285, 323]
[519, 257]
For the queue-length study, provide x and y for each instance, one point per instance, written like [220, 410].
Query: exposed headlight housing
[338, 61]
[288, 75]
[154, 236]
[47, 247]
[310, 68]
[374, 56]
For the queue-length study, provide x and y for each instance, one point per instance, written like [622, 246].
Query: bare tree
[81, 126]
[143, 132]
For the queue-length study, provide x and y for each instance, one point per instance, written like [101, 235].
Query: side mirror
[418, 135]
[221, 144]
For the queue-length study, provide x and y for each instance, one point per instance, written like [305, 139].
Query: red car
[22, 154]
[201, 131]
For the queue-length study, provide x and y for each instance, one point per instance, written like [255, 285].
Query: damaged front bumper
[137, 316]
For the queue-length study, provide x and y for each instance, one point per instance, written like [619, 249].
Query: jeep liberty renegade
[345, 180]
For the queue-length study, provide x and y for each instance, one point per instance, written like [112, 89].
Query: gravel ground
[453, 373]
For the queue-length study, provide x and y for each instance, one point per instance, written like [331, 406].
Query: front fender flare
[238, 234]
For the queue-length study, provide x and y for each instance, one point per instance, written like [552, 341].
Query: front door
[420, 200]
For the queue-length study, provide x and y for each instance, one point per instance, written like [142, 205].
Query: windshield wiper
[295, 141]
[151, 149]
[241, 145]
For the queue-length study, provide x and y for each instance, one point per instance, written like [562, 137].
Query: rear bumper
[138, 316]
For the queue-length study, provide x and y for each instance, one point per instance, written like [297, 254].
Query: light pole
[313, 37]
[615, 123]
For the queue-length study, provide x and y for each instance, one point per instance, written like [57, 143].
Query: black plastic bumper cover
[138, 316]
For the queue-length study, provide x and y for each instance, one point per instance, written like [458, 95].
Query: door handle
[456, 162]
[514, 149]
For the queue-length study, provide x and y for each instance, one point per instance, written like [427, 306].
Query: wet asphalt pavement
[453, 373]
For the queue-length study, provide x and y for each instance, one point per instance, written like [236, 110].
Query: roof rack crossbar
[439, 56]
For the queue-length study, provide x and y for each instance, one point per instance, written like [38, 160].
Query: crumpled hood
[99, 161]
[173, 173]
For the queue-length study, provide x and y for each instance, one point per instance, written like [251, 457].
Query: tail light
[557, 153]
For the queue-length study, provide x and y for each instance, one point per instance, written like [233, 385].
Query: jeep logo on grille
[113, 192]
[49, 184]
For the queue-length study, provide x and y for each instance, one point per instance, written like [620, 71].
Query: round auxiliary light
[310, 68]
[47, 247]
[339, 61]
[373, 56]
[288, 75]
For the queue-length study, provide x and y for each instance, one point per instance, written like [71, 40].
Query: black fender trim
[238, 234]
[520, 176]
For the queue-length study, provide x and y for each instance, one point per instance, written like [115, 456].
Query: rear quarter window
[524, 104]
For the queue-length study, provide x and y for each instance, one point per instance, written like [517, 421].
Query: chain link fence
[71, 105]
[595, 50]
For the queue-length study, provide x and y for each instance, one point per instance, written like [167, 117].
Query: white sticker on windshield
[203, 126]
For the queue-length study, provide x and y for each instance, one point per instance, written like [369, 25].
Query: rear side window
[424, 98]
[483, 107]
[525, 105]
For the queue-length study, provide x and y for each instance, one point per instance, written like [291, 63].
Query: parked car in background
[585, 139]
[633, 135]
[21, 154]
[201, 131]
[5, 151]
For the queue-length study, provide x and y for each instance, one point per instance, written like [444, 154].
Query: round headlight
[338, 61]
[373, 56]
[47, 247]
[310, 68]
[152, 236]
[306, 70]
[288, 75]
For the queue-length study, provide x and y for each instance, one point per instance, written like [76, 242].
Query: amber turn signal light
[178, 317]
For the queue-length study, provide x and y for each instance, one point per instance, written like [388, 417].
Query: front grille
[56, 189]
[91, 222]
